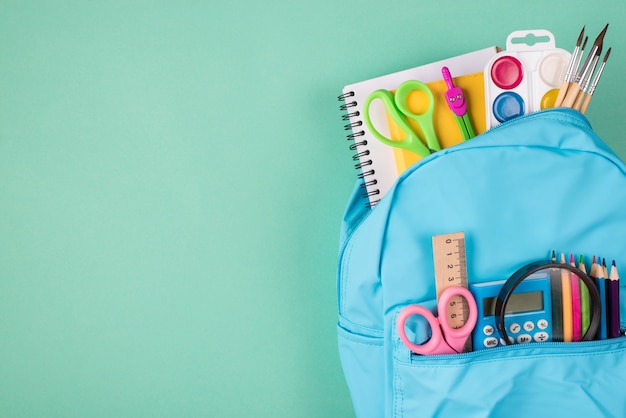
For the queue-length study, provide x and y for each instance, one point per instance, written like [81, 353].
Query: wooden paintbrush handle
[562, 92]
[572, 95]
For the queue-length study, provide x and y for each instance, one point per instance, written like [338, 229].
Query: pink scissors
[444, 338]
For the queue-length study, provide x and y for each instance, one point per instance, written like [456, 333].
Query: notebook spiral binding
[358, 146]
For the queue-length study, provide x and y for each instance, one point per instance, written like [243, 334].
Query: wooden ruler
[451, 270]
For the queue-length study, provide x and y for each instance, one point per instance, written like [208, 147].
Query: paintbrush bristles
[580, 37]
[596, 49]
[573, 63]
[579, 58]
[600, 37]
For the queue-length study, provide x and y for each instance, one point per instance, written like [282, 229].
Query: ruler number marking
[450, 270]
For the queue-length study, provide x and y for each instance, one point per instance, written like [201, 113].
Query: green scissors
[398, 111]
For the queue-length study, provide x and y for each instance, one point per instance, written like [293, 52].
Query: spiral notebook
[379, 165]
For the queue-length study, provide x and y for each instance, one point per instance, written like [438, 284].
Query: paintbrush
[579, 59]
[587, 68]
[585, 81]
[572, 68]
[594, 83]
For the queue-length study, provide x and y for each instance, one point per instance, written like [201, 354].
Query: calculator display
[518, 303]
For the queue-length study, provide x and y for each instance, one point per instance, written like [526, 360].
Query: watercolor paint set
[525, 77]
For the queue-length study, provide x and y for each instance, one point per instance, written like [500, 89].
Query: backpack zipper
[567, 348]
[562, 110]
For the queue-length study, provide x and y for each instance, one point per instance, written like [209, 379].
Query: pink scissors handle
[435, 345]
[444, 339]
[456, 337]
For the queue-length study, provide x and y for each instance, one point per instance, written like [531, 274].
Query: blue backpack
[537, 183]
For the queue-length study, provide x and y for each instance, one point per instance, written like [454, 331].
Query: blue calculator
[528, 315]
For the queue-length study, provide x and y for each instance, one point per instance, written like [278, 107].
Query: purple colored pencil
[613, 298]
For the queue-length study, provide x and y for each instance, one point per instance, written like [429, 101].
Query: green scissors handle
[398, 111]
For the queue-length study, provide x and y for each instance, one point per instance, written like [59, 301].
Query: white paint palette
[524, 78]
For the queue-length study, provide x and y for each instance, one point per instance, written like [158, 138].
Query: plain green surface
[172, 180]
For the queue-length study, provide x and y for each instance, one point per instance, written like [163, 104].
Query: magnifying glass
[506, 296]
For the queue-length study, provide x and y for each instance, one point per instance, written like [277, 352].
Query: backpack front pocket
[537, 379]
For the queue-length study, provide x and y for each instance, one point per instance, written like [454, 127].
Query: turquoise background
[172, 180]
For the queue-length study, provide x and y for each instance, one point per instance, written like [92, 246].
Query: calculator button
[488, 330]
[529, 326]
[541, 337]
[503, 342]
[515, 328]
[542, 324]
[524, 338]
[490, 342]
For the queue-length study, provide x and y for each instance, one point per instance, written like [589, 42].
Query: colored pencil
[566, 297]
[601, 285]
[584, 300]
[576, 318]
[613, 299]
